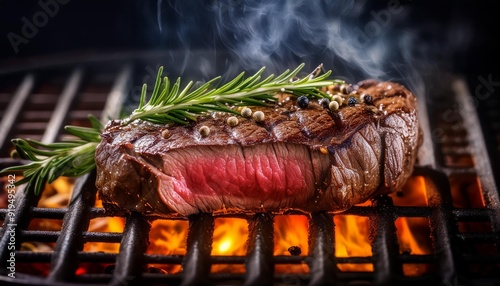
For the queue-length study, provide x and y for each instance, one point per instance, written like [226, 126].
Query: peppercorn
[294, 250]
[366, 98]
[334, 105]
[258, 116]
[337, 98]
[204, 131]
[165, 133]
[246, 112]
[232, 121]
[303, 101]
[14, 154]
[324, 102]
[345, 89]
[352, 101]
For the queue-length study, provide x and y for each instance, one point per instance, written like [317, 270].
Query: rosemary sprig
[71, 158]
[168, 104]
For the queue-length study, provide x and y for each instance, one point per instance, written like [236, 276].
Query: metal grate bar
[491, 258]
[71, 241]
[385, 243]
[354, 259]
[62, 108]
[478, 237]
[415, 258]
[45, 257]
[25, 201]
[14, 108]
[259, 264]
[40, 235]
[53, 236]
[111, 237]
[426, 153]
[56, 213]
[483, 164]
[199, 246]
[321, 245]
[160, 279]
[49, 213]
[117, 95]
[471, 214]
[130, 260]
[443, 226]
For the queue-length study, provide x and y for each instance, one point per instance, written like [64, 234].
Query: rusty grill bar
[130, 265]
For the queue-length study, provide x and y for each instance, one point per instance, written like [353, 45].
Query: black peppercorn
[294, 250]
[366, 98]
[352, 101]
[303, 101]
[324, 102]
[346, 89]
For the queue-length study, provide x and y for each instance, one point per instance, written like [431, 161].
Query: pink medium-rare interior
[217, 177]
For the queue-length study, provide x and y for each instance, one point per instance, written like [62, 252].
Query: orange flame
[352, 239]
[413, 193]
[168, 237]
[413, 233]
[414, 238]
[229, 238]
[291, 230]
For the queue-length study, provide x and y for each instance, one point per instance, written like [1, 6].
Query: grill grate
[386, 258]
[451, 258]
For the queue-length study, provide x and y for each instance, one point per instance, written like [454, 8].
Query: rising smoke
[356, 39]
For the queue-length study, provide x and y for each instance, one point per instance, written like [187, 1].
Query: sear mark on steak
[310, 159]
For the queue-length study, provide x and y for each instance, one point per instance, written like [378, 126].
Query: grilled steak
[309, 158]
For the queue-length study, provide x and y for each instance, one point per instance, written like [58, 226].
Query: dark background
[98, 26]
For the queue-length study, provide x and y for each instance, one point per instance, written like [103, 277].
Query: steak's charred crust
[129, 158]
